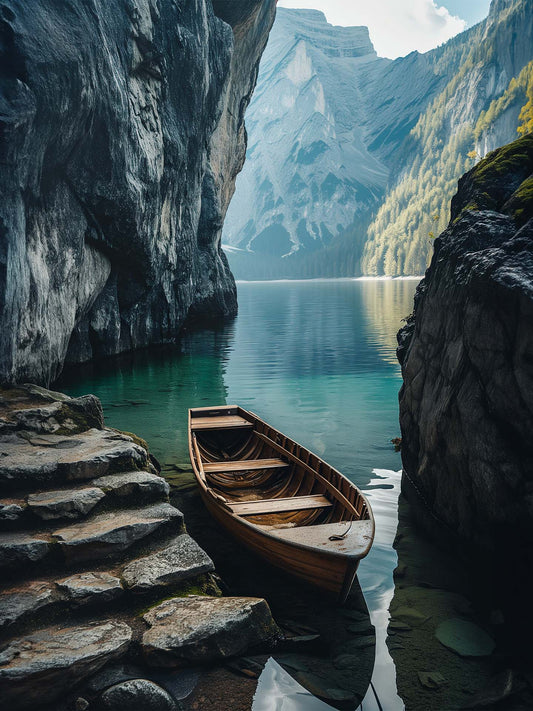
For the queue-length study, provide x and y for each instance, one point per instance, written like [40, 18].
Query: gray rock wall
[121, 135]
[466, 406]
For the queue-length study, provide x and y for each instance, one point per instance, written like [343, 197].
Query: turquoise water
[317, 360]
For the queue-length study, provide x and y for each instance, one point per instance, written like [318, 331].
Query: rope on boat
[341, 536]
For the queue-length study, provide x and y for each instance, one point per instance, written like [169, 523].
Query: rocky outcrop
[88, 544]
[466, 405]
[122, 134]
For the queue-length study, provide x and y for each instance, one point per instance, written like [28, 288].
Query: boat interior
[266, 478]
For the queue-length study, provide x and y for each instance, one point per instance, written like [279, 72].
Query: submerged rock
[465, 638]
[41, 667]
[202, 629]
[137, 695]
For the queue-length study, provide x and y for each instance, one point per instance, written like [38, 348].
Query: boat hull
[322, 570]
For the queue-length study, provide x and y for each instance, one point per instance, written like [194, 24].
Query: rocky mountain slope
[353, 159]
[466, 353]
[122, 134]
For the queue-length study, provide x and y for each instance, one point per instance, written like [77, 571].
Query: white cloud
[397, 27]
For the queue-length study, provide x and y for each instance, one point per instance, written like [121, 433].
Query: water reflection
[317, 360]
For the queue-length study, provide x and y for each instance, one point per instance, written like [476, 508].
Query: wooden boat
[279, 499]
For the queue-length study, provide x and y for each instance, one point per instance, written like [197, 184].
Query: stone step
[126, 488]
[114, 532]
[28, 601]
[40, 668]
[170, 563]
[64, 503]
[180, 560]
[30, 462]
[20, 601]
[131, 484]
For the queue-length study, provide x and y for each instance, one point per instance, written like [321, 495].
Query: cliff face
[466, 406]
[325, 118]
[122, 132]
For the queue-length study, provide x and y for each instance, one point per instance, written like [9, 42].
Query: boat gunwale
[226, 511]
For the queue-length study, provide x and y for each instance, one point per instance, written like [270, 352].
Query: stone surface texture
[203, 629]
[181, 560]
[68, 503]
[466, 405]
[114, 532]
[33, 460]
[137, 695]
[90, 588]
[123, 131]
[37, 669]
[133, 483]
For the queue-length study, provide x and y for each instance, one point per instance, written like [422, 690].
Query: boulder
[71, 503]
[181, 560]
[89, 588]
[137, 695]
[133, 483]
[113, 532]
[203, 629]
[42, 667]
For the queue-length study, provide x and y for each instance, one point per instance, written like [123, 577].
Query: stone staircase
[87, 532]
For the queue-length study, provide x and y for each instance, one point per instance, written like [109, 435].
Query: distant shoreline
[320, 279]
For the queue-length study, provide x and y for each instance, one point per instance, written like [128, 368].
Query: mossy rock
[496, 180]
[520, 206]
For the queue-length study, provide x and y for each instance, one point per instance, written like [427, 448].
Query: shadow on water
[330, 650]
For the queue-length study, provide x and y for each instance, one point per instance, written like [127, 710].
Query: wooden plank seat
[220, 422]
[244, 465]
[267, 506]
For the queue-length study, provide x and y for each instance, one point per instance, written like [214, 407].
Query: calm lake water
[317, 360]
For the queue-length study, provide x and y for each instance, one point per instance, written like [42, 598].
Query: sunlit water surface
[317, 360]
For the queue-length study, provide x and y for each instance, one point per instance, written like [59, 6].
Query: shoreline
[329, 279]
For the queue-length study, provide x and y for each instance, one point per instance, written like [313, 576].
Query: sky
[397, 27]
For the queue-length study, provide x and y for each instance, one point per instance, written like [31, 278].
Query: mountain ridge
[395, 187]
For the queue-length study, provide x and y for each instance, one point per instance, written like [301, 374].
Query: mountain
[352, 158]
[122, 131]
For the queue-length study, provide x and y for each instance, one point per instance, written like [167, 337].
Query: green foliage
[439, 150]
[526, 115]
